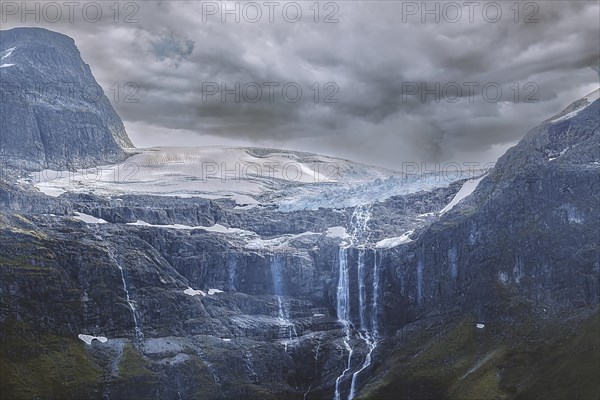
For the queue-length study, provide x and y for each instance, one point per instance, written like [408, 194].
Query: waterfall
[368, 331]
[371, 344]
[362, 290]
[317, 354]
[374, 320]
[358, 224]
[343, 311]
[231, 271]
[452, 262]
[283, 312]
[138, 331]
[343, 295]
[366, 335]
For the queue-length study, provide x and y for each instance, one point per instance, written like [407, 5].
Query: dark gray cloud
[169, 46]
[376, 56]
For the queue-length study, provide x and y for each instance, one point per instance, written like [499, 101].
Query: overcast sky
[180, 54]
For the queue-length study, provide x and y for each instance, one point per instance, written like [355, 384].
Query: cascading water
[138, 331]
[231, 271]
[359, 222]
[284, 317]
[362, 290]
[374, 317]
[343, 312]
[368, 331]
[283, 312]
[364, 333]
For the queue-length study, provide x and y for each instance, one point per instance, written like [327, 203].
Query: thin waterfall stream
[283, 312]
[368, 330]
[138, 331]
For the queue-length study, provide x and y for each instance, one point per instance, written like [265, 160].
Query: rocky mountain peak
[569, 140]
[54, 113]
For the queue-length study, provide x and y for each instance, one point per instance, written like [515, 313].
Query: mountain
[53, 112]
[507, 278]
[159, 277]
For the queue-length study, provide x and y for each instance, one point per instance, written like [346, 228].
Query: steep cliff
[53, 112]
[507, 278]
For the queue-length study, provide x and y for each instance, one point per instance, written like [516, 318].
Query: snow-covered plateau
[248, 176]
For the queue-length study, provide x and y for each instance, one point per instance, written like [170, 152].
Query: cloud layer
[380, 85]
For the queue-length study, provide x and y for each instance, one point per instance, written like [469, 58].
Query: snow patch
[192, 292]
[88, 338]
[467, 188]
[226, 340]
[223, 229]
[563, 151]
[337, 232]
[480, 326]
[49, 190]
[276, 243]
[388, 243]
[569, 115]
[8, 53]
[88, 219]
[590, 98]
[217, 228]
[426, 215]
[139, 222]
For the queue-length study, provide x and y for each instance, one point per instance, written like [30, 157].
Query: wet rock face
[54, 113]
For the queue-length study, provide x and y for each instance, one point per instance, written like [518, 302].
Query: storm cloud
[383, 82]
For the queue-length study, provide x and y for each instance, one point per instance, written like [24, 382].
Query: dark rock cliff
[53, 112]
[518, 256]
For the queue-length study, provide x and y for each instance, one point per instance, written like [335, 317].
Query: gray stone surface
[53, 112]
